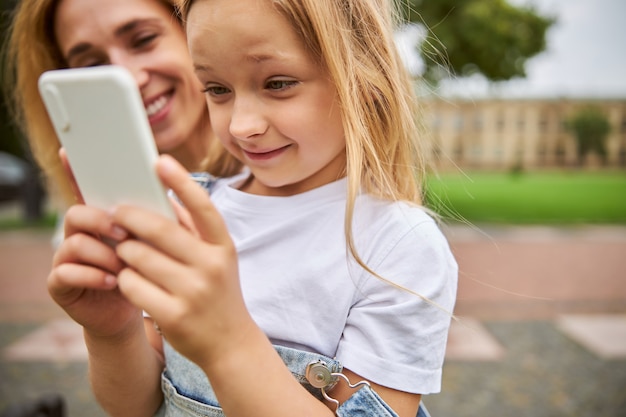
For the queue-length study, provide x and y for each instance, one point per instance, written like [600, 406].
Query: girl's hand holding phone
[185, 273]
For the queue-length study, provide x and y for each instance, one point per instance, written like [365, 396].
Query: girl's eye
[279, 85]
[216, 90]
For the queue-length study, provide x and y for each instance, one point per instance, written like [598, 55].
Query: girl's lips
[263, 156]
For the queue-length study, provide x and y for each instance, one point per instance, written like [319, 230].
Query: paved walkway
[540, 272]
[541, 329]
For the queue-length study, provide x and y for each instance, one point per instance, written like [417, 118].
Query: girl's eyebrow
[201, 68]
[258, 58]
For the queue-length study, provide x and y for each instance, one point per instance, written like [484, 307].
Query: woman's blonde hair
[353, 40]
[30, 50]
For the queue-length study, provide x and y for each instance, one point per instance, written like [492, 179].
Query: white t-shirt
[305, 291]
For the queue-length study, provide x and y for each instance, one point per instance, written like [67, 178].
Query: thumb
[206, 218]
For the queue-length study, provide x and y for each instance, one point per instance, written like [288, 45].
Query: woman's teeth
[156, 106]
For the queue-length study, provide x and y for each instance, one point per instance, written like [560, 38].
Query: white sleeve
[394, 337]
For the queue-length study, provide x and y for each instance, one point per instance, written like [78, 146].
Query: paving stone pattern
[541, 329]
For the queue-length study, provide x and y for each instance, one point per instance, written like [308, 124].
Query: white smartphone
[100, 119]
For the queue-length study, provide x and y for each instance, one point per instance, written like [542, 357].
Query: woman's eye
[89, 62]
[144, 40]
[95, 64]
[280, 84]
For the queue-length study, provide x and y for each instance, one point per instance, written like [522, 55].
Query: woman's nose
[133, 65]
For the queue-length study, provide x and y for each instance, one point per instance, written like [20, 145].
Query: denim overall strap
[422, 411]
[204, 179]
[188, 393]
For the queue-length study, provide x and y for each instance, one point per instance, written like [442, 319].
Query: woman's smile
[157, 109]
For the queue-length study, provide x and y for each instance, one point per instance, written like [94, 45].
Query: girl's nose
[247, 119]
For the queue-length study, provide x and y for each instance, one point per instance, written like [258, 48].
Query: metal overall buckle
[320, 376]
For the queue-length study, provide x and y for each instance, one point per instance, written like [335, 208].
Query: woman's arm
[124, 365]
[125, 370]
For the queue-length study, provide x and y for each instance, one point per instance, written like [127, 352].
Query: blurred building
[504, 134]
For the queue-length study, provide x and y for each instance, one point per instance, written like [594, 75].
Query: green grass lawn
[554, 198]
[530, 198]
[8, 223]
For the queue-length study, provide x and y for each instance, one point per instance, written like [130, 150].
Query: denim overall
[187, 392]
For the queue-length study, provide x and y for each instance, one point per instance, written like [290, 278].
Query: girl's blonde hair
[30, 50]
[353, 40]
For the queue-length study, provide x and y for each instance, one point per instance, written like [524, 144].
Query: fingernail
[166, 163]
[110, 281]
[118, 233]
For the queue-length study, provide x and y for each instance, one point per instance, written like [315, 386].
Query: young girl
[314, 284]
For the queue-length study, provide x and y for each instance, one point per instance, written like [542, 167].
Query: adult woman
[142, 35]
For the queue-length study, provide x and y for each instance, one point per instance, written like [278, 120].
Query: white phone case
[99, 117]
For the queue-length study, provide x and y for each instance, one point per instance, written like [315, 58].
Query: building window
[436, 122]
[498, 152]
[458, 122]
[542, 153]
[458, 150]
[436, 151]
[521, 122]
[500, 122]
[478, 122]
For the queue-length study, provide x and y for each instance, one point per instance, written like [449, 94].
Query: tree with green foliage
[464, 37]
[591, 128]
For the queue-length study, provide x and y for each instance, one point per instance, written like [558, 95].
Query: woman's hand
[84, 269]
[83, 281]
[185, 274]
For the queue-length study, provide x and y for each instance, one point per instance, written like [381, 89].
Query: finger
[68, 169]
[167, 236]
[152, 264]
[93, 221]
[86, 250]
[184, 218]
[145, 294]
[66, 279]
[207, 219]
